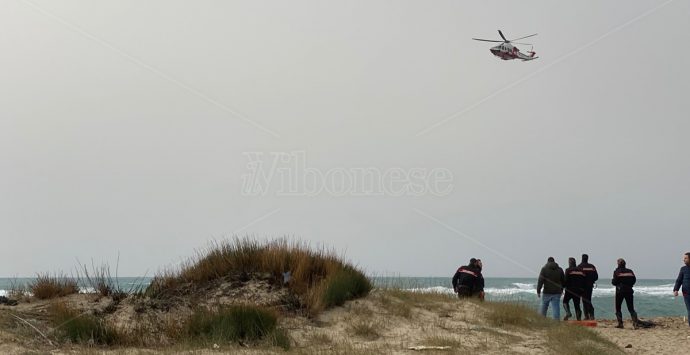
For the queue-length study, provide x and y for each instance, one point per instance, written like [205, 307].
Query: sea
[653, 297]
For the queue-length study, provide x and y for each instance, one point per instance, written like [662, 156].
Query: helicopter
[506, 51]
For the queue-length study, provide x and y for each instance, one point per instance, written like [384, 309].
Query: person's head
[551, 259]
[621, 262]
[585, 258]
[571, 262]
[686, 258]
[479, 263]
[473, 262]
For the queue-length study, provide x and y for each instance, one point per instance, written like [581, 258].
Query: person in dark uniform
[591, 277]
[624, 280]
[574, 288]
[468, 280]
[683, 279]
[479, 289]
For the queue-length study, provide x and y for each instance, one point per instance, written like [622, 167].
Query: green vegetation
[501, 314]
[345, 284]
[232, 323]
[235, 323]
[318, 277]
[80, 327]
[48, 286]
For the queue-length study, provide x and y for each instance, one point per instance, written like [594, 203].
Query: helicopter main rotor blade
[522, 37]
[486, 40]
[502, 36]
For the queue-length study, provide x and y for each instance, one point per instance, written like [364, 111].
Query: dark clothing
[684, 280]
[587, 302]
[624, 280]
[574, 280]
[576, 302]
[551, 278]
[468, 281]
[686, 298]
[591, 276]
[574, 288]
[628, 297]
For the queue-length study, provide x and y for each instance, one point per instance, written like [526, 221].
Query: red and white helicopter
[507, 51]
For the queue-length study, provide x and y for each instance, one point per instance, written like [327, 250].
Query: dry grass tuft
[48, 286]
[501, 314]
[365, 329]
[319, 338]
[571, 339]
[319, 277]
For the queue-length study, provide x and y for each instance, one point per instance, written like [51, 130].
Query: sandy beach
[385, 322]
[670, 336]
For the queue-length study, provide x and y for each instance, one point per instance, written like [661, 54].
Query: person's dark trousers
[628, 297]
[464, 292]
[686, 297]
[587, 302]
[575, 296]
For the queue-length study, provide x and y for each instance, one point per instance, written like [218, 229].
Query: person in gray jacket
[551, 279]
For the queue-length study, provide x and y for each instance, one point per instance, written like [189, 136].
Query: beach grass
[232, 323]
[318, 276]
[570, 339]
[80, 327]
[47, 286]
[510, 314]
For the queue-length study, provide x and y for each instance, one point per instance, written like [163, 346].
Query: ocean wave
[661, 290]
[526, 289]
[81, 290]
[433, 289]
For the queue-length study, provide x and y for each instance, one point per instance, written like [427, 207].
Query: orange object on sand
[584, 323]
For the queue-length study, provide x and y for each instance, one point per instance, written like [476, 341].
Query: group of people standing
[576, 284]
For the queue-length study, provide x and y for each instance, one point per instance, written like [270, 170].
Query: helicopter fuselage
[507, 51]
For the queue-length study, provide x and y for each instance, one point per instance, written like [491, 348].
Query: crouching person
[468, 280]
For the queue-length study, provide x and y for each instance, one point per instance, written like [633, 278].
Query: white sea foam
[434, 289]
[659, 290]
[519, 289]
[81, 290]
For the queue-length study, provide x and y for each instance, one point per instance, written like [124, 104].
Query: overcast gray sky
[123, 126]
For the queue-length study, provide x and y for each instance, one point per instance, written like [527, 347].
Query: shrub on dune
[48, 286]
[240, 322]
[80, 327]
[318, 276]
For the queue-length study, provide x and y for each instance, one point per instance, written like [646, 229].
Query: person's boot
[635, 320]
[619, 318]
[578, 314]
[591, 315]
[567, 311]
